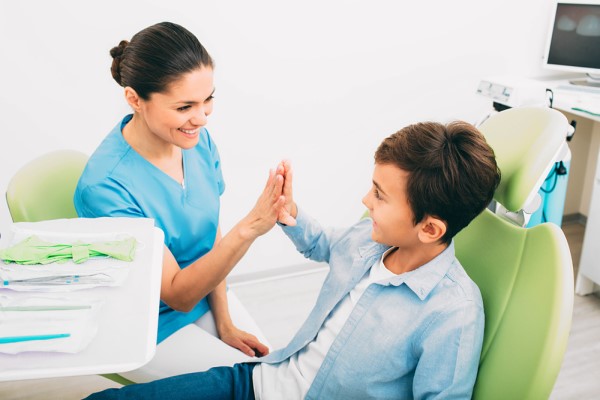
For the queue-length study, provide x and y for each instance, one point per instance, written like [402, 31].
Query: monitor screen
[574, 37]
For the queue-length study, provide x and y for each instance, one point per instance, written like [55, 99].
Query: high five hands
[275, 204]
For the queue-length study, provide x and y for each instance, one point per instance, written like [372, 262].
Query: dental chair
[43, 189]
[525, 275]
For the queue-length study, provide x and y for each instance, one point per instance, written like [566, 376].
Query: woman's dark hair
[452, 171]
[157, 56]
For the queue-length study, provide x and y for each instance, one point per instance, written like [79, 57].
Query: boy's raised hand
[287, 214]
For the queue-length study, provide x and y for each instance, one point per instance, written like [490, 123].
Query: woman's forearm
[183, 288]
[217, 300]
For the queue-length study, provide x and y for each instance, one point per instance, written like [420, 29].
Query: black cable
[574, 125]
[550, 97]
[553, 174]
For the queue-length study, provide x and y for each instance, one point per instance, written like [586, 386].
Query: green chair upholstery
[526, 142]
[43, 188]
[525, 274]
[526, 280]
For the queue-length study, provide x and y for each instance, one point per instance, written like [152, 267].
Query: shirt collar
[423, 279]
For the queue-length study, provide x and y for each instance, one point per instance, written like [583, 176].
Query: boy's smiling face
[387, 201]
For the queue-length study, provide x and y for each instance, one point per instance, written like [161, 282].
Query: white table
[128, 320]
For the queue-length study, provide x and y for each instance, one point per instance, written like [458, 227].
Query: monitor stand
[590, 80]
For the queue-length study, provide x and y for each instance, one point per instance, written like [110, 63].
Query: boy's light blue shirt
[119, 182]
[419, 337]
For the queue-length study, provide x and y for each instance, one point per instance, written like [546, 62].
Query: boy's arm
[450, 351]
[309, 237]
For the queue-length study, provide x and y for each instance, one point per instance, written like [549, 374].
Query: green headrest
[527, 142]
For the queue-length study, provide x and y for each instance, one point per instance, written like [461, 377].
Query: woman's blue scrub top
[118, 182]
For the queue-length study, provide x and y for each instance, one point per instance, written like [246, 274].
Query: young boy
[397, 316]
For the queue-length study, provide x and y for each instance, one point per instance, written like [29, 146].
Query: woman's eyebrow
[190, 102]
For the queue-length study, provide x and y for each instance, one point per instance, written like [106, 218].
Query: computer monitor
[573, 43]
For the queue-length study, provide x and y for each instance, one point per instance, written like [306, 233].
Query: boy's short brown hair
[452, 171]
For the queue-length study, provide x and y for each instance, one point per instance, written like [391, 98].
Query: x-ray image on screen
[576, 36]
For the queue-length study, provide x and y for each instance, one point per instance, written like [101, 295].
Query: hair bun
[116, 53]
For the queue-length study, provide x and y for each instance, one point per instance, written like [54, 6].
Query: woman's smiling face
[177, 115]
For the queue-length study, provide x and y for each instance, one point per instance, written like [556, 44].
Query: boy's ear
[133, 99]
[432, 230]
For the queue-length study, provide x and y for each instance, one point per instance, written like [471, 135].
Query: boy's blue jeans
[219, 383]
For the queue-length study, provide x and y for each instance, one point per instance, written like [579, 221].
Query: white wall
[318, 82]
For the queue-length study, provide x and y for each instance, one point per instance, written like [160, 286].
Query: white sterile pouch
[47, 324]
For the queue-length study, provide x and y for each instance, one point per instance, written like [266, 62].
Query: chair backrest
[525, 275]
[43, 188]
[526, 142]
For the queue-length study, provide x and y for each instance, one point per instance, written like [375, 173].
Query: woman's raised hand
[265, 213]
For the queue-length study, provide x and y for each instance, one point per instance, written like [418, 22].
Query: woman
[161, 163]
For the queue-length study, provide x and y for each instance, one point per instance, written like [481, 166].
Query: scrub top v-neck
[119, 182]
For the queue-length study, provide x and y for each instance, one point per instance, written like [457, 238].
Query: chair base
[118, 378]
